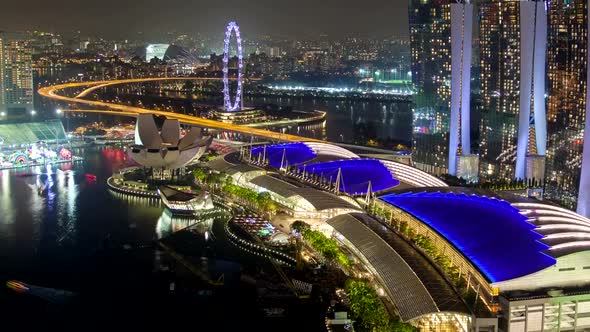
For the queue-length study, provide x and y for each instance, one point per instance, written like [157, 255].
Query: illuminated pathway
[125, 110]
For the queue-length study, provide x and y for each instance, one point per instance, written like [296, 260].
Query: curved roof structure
[281, 155]
[316, 153]
[325, 149]
[355, 174]
[319, 200]
[476, 225]
[31, 132]
[416, 288]
[230, 165]
[564, 231]
[401, 282]
[412, 175]
[165, 52]
[292, 154]
[322, 200]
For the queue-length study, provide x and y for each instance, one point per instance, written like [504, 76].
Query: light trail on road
[125, 110]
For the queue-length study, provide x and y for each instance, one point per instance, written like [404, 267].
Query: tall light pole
[59, 113]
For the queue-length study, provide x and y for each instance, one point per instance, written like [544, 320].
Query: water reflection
[169, 224]
[355, 121]
[137, 201]
[53, 212]
[6, 199]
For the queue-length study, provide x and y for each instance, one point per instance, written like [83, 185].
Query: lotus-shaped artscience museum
[164, 148]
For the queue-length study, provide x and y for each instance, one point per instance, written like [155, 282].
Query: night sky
[293, 18]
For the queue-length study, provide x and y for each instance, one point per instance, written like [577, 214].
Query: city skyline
[412, 165]
[291, 19]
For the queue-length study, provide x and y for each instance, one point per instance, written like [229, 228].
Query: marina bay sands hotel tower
[513, 128]
[532, 120]
[583, 203]
[531, 87]
[461, 162]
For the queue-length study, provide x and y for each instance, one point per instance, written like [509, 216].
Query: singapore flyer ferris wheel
[232, 27]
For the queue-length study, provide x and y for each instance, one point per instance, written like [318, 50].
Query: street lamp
[33, 112]
[59, 112]
[2, 114]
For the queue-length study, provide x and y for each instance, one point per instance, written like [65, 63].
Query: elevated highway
[53, 92]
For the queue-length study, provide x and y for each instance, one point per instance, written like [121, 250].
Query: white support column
[461, 31]
[527, 35]
[584, 190]
[466, 79]
[539, 78]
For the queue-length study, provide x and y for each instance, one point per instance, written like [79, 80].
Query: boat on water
[185, 203]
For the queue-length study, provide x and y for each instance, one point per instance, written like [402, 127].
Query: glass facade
[499, 45]
[31, 132]
[16, 75]
[430, 41]
[566, 101]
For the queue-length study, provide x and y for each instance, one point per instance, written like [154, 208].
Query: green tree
[325, 246]
[299, 226]
[200, 175]
[368, 312]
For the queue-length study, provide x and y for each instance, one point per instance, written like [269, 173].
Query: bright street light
[2, 113]
[33, 112]
[58, 111]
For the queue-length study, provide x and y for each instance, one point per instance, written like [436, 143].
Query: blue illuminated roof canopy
[295, 154]
[356, 174]
[491, 233]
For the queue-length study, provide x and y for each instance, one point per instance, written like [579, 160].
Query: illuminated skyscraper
[16, 75]
[430, 42]
[583, 202]
[566, 101]
[499, 78]
[532, 121]
[461, 162]
[512, 79]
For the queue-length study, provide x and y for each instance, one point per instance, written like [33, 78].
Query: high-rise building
[532, 121]
[566, 101]
[499, 46]
[16, 76]
[512, 86]
[461, 162]
[583, 203]
[430, 43]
